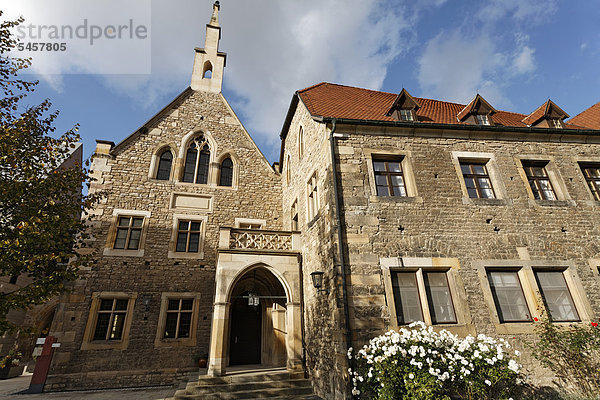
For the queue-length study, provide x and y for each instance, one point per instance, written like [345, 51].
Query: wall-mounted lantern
[317, 280]
[146, 298]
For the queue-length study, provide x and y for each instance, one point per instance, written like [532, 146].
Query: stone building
[463, 216]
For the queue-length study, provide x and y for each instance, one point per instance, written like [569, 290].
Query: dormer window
[555, 123]
[404, 108]
[482, 119]
[406, 115]
[548, 115]
[477, 112]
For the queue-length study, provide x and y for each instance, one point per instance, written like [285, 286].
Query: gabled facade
[408, 208]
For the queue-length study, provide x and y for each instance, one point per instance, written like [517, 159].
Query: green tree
[41, 200]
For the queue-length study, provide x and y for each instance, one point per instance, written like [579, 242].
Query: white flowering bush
[420, 363]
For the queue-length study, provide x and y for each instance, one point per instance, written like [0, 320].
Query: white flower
[513, 366]
[411, 376]
[487, 382]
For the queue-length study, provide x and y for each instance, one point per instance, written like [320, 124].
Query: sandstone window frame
[159, 340]
[585, 164]
[288, 169]
[88, 343]
[493, 172]
[213, 166]
[558, 184]
[421, 266]
[109, 249]
[312, 197]
[294, 216]
[155, 162]
[235, 170]
[533, 296]
[173, 253]
[241, 222]
[300, 142]
[407, 172]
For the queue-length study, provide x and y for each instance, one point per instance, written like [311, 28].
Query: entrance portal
[258, 330]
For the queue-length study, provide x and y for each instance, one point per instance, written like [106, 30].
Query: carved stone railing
[255, 239]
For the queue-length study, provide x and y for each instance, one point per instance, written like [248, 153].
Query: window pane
[124, 221]
[195, 226]
[194, 242]
[398, 185]
[173, 304]
[190, 165]
[183, 225]
[406, 297]
[137, 222]
[440, 301]
[465, 168]
[379, 165]
[382, 191]
[478, 169]
[106, 304]
[164, 166]
[134, 239]
[185, 322]
[394, 166]
[226, 176]
[534, 189]
[120, 239]
[116, 331]
[486, 188]
[101, 326]
[181, 241]
[171, 325]
[186, 304]
[508, 296]
[556, 296]
[121, 304]
[203, 167]
[547, 189]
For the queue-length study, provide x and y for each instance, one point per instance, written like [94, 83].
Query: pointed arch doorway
[257, 320]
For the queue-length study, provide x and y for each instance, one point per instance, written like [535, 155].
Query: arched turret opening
[207, 70]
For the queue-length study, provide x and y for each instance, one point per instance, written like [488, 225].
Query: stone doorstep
[237, 387]
[249, 394]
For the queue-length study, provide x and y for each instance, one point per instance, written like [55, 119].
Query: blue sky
[516, 53]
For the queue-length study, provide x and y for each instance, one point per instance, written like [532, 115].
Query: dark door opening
[245, 337]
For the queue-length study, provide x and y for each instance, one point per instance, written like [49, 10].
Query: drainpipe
[338, 215]
[303, 337]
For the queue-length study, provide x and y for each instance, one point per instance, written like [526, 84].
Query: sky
[515, 53]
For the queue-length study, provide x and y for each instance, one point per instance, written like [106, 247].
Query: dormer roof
[404, 101]
[548, 110]
[477, 106]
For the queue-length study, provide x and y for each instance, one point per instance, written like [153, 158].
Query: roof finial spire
[214, 20]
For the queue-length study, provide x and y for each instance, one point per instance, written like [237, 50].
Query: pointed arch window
[165, 161]
[226, 175]
[288, 171]
[300, 143]
[197, 159]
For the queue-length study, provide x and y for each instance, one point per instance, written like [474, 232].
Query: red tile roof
[589, 118]
[331, 100]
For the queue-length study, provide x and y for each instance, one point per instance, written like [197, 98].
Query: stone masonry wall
[123, 176]
[441, 223]
[323, 314]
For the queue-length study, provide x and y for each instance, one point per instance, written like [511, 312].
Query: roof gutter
[340, 228]
[480, 128]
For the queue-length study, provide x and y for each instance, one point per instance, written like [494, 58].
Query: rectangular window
[178, 321]
[538, 180]
[508, 296]
[407, 300]
[110, 319]
[477, 180]
[439, 298]
[482, 119]
[406, 115]
[591, 172]
[556, 295]
[188, 236]
[129, 231]
[389, 178]
[406, 297]
[313, 197]
[294, 215]
[250, 225]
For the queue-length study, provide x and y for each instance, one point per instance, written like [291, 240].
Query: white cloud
[531, 11]
[524, 61]
[455, 68]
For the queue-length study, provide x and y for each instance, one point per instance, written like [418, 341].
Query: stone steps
[278, 384]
